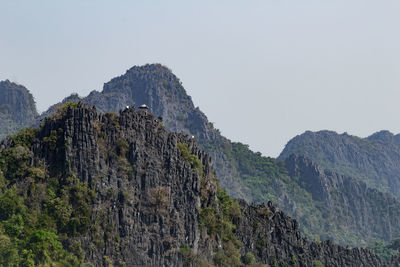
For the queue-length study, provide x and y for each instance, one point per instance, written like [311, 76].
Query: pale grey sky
[263, 71]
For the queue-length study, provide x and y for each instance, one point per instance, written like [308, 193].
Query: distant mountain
[374, 160]
[327, 205]
[17, 108]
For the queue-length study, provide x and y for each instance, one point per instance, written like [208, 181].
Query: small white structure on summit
[143, 108]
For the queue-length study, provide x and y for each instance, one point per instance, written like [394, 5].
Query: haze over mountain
[300, 65]
[94, 181]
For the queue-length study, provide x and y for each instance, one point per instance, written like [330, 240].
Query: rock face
[157, 87]
[145, 197]
[17, 108]
[347, 202]
[374, 160]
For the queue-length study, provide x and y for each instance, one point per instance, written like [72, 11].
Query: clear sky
[262, 71]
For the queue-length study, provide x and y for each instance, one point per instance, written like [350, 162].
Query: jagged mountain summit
[374, 160]
[17, 108]
[157, 87]
[119, 189]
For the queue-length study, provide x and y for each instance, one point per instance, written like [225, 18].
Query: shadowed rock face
[17, 108]
[147, 197]
[348, 201]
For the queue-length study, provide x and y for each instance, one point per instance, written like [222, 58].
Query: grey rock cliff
[17, 108]
[131, 160]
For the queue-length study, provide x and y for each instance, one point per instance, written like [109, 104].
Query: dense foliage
[386, 251]
[39, 209]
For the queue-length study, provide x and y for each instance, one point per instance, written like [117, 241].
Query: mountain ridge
[119, 189]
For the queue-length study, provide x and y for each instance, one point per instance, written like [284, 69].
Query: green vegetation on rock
[192, 159]
[219, 223]
[317, 263]
[34, 224]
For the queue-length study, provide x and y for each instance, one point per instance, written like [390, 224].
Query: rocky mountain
[17, 108]
[327, 204]
[157, 87]
[87, 188]
[374, 160]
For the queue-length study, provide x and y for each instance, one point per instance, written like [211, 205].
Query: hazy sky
[262, 71]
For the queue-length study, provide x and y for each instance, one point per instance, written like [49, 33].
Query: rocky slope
[111, 189]
[17, 108]
[374, 160]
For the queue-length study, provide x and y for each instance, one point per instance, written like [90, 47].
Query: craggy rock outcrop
[17, 108]
[374, 160]
[147, 195]
[157, 87]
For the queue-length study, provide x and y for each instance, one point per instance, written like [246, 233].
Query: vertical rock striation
[147, 196]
